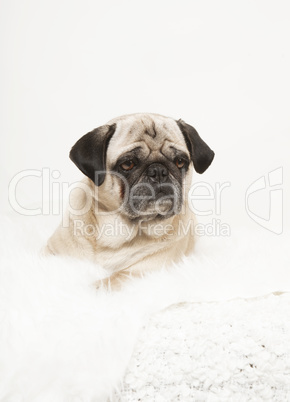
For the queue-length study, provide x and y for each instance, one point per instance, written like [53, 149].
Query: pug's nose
[157, 173]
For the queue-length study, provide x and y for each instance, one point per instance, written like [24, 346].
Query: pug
[130, 213]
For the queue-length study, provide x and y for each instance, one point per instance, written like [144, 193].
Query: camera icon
[274, 199]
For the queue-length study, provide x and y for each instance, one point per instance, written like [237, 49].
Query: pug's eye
[179, 162]
[127, 165]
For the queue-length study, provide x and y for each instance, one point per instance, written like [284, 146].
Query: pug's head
[142, 162]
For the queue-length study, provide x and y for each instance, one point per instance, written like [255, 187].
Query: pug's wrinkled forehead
[151, 135]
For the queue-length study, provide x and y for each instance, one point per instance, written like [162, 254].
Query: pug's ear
[200, 153]
[89, 153]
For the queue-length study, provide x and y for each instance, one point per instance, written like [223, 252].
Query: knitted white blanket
[236, 351]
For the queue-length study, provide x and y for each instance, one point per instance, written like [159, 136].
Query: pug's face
[143, 161]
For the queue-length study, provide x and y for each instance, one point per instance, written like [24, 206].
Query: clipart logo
[272, 183]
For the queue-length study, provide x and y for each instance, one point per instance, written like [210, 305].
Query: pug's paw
[113, 282]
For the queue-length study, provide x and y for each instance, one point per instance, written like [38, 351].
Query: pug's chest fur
[136, 245]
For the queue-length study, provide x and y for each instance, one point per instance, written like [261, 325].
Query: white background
[70, 66]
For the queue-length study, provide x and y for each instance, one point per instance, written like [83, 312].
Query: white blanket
[61, 340]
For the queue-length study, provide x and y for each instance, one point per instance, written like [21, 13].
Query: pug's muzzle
[156, 194]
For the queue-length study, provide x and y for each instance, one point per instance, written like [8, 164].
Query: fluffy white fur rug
[61, 340]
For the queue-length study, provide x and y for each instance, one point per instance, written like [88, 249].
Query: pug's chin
[151, 212]
[156, 217]
[150, 217]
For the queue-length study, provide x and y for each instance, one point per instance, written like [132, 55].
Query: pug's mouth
[161, 206]
[160, 203]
